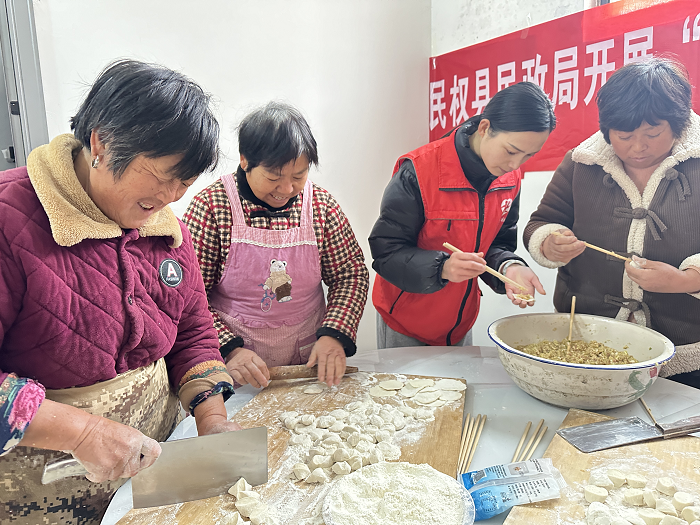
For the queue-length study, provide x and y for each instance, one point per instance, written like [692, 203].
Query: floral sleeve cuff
[20, 399]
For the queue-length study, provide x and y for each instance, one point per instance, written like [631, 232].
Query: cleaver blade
[609, 434]
[202, 467]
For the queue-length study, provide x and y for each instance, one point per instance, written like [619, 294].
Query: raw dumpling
[634, 497]
[593, 493]
[238, 487]
[682, 500]
[301, 471]
[651, 516]
[246, 505]
[317, 476]
[636, 481]
[667, 486]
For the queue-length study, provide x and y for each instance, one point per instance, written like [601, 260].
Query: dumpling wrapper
[392, 384]
[450, 384]
[377, 391]
[421, 382]
[424, 398]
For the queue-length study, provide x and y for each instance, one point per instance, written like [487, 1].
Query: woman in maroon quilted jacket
[104, 322]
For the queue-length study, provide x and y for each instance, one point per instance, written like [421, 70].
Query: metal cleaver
[617, 432]
[190, 469]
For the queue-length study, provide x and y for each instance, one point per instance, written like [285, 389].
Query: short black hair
[520, 107]
[648, 91]
[274, 135]
[138, 108]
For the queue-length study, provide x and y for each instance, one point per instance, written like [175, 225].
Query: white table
[490, 391]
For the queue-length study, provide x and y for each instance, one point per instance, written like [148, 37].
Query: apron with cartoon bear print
[270, 291]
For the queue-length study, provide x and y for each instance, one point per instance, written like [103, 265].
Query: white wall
[358, 70]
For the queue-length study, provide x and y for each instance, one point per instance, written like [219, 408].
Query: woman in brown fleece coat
[633, 187]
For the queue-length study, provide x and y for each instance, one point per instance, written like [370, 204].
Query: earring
[95, 162]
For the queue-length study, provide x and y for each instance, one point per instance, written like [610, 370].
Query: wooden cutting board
[678, 458]
[435, 443]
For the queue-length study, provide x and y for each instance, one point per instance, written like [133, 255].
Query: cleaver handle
[300, 371]
[681, 427]
[62, 468]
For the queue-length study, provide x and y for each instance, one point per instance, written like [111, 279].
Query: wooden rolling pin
[300, 371]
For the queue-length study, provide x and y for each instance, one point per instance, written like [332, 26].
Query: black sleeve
[393, 240]
[502, 247]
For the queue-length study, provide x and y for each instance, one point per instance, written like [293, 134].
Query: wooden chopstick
[537, 442]
[646, 407]
[462, 450]
[571, 322]
[476, 442]
[594, 247]
[470, 438]
[522, 440]
[527, 447]
[490, 270]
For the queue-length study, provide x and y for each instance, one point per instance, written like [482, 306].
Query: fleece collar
[595, 151]
[73, 216]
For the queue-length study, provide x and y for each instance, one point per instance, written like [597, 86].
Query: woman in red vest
[463, 189]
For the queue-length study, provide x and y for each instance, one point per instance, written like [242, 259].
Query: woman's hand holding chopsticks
[563, 247]
[462, 266]
[525, 276]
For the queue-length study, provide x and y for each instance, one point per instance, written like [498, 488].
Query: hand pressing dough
[421, 383]
[315, 389]
[593, 493]
[301, 471]
[667, 486]
[634, 497]
[317, 476]
[618, 478]
[665, 506]
[650, 498]
[682, 500]
[636, 481]
[600, 479]
[691, 514]
[238, 487]
[377, 391]
[597, 513]
[651, 516]
[450, 384]
[342, 468]
[391, 384]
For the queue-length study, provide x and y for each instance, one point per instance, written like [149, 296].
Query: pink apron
[270, 292]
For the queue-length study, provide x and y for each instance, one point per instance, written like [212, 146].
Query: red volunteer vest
[454, 214]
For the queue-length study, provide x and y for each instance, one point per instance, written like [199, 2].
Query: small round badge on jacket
[170, 272]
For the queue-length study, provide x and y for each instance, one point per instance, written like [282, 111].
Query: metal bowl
[590, 387]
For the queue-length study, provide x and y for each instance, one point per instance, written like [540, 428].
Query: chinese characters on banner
[570, 58]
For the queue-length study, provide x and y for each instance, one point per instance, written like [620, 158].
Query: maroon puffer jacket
[77, 315]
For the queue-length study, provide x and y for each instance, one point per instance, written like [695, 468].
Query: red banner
[570, 58]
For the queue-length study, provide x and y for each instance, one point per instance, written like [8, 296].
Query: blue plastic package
[498, 488]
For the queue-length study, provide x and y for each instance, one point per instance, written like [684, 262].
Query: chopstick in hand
[594, 247]
[490, 270]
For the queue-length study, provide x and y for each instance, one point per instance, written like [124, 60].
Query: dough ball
[315, 389]
[341, 455]
[651, 516]
[691, 514]
[377, 391]
[321, 461]
[450, 384]
[285, 415]
[291, 422]
[650, 498]
[407, 411]
[338, 426]
[355, 462]
[342, 468]
[353, 439]
[376, 456]
[354, 406]
[618, 478]
[426, 397]
[672, 520]
[593, 493]
[597, 512]
[666, 486]
[301, 471]
[317, 476]
[450, 395]
[332, 439]
[600, 479]
[307, 419]
[376, 420]
[636, 481]
[388, 427]
[317, 434]
[634, 496]
[238, 487]
[392, 384]
[386, 415]
[382, 435]
[421, 383]
[364, 446]
[373, 409]
[682, 500]
[665, 506]
[300, 439]
[339, 414]
[632, 517]
[325, 421]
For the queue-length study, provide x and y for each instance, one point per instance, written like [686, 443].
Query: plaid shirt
[343, 269]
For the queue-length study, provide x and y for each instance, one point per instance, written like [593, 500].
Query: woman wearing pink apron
[267, 238]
